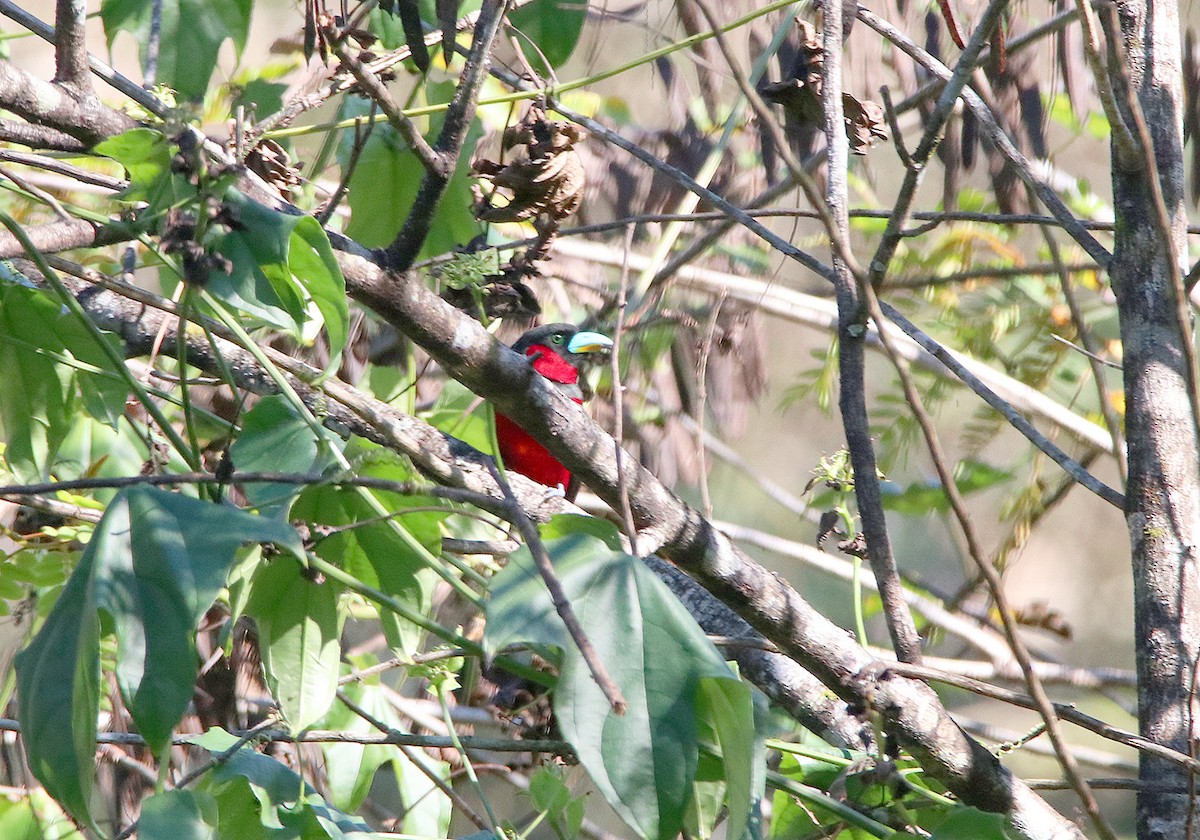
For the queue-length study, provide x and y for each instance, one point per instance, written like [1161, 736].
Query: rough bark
[1163, 498]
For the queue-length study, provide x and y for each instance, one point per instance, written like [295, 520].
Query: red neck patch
[552, 366]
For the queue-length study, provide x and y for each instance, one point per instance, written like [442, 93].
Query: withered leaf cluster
[545, 178]
[800, 93]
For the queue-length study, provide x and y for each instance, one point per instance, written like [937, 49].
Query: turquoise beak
[589, 342]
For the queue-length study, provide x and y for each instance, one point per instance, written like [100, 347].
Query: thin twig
[214, 761]
[558, 596]
[992, 130]
[1061, 710]
[434, 162]
[38, 192]
[619, 394]
[935, 126]
[415, 760]
[995, 586]
[362, 133]
[702, 404]
[1090, 350]
[1126, 145]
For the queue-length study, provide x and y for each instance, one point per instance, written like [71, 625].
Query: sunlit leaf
[190, 36]
[644, 761]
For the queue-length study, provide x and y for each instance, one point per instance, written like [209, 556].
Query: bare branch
[40, 137]
[435, 163]
[987, 121]
[404, 249]
[70, 46]
[852, 291]
[60, 107]
[935, 126]
[911, 710]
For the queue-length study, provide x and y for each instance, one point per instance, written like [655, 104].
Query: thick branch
[1162, 508]
[60, 107]
[39, 137]
[140, 318]
[70, 46]
[62, 236]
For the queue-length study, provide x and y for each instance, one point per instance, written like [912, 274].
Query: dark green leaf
[553, 26]
[284, 798]
[275, 438]
[179, 815]
[278, 263]
[154, 565]
[191, 33]
[644, 761]
[37, 391]
[260, 96]
[969, 822]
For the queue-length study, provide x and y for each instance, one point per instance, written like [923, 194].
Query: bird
[557, 352]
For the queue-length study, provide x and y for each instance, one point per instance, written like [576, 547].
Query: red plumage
[553, 354]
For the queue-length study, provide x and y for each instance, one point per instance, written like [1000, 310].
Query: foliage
[234, 558]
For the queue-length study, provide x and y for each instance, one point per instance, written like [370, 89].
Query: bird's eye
[556, 339]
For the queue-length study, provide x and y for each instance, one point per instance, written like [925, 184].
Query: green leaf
[279, 263]
[920, 498]
[38, 342]
[275, 438]
[394, 556]
[146, 155]
[35, 816]
[723, 703]
[154, 565]
[550, 794]
[350, 768]
[644, 762]
[553, 26]
[299, 629]
[970, 822]
[179, 815]
[254, 790]
[191, 33]
[376, 214]
[565, 524]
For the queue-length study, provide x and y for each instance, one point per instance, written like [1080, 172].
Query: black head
[576, 346]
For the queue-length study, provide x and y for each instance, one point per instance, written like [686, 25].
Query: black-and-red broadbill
[557, 352]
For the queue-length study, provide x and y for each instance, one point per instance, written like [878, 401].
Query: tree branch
[407, 244]
[140, 318]
[996, 134]
[40, 137]
[70, 111]
[70, 46]
[435, 163]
